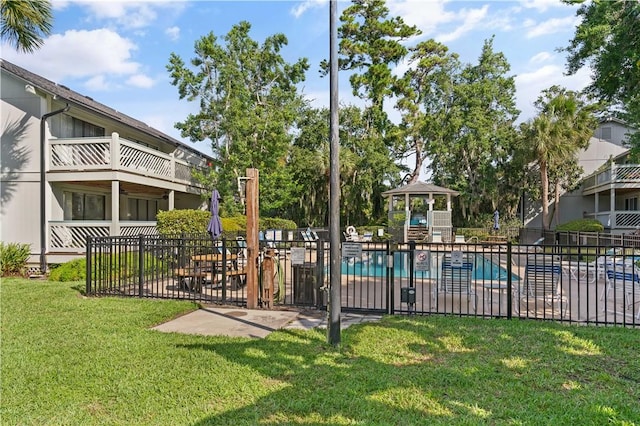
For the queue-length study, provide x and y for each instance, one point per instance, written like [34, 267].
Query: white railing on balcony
[619, 219]
[616, 174]
[71, 236]
[113, 153]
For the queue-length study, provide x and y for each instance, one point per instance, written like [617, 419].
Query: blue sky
[117, 52]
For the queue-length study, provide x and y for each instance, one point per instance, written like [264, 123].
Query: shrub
[234, 224]
[13, 258]
[184, 221]
[277, 223]
[73, 270]
[581, 225]
[122, 265]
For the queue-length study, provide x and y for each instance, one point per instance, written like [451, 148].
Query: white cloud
[471, 19]
[529, 85]
[97, 83]
[553, 26]
[140, 80]
[541, 5]
[301, 8]
[426, 15]
[173, 33]
[541, 57]
[129, 15]
[79, 54]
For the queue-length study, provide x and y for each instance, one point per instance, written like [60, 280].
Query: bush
[194, 222]
[74, 270]
[277, 223]
[234, 224]
[184, 221]
[581, 225]
[122, 265]
[13, 258]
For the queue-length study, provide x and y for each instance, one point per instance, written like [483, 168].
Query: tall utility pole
[335, 295]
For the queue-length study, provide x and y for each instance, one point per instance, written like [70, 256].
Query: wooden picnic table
[495, 240]
[192, 277]
[233, 272]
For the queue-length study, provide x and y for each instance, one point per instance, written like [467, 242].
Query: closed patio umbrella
[215, 225]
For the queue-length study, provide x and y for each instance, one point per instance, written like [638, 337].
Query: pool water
[373, 264]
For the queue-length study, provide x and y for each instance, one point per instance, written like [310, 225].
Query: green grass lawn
[71, 360]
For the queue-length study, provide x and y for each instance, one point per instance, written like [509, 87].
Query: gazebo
[413, 214]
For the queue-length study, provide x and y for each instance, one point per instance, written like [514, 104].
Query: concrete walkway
[239, 322]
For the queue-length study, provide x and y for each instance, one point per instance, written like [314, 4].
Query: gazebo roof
[420, 188]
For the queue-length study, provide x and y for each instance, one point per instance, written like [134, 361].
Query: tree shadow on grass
[423, 375]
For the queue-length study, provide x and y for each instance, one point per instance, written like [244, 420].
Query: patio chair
[309, 238]
[542, 282]
[241, 250]
[624, 276]
[580, 271]
[456, 279]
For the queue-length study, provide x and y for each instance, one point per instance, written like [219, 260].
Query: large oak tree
[248, 102]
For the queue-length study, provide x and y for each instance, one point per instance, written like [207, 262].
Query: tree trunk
[557, 203]
[415, 174]
[544, 178]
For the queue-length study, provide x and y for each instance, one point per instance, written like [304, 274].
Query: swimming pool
[373, 264]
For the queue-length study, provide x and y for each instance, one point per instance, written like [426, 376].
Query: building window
[606, 133]
[631, 203]
[140, 209]
[71, 127]
[81, 206]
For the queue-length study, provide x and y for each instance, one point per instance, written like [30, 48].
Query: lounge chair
[596, 268]
[624, 276]
[309, 238]
[542, 282]
[456, 279]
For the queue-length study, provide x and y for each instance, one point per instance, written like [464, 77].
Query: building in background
[72, 168]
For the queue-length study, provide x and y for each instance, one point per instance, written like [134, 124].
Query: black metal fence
[562, 282]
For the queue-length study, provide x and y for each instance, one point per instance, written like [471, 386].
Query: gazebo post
[407, 218]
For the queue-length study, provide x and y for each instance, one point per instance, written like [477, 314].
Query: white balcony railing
[113, 153]
[616, 174]
[620, 219]
[71, 236]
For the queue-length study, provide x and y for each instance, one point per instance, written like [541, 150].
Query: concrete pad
[234, 322]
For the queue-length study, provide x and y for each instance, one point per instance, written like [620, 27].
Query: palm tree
[24, 23]
[563, 126]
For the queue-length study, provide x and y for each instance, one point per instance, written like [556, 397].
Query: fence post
[224, 270]
[412, 284]
[509, 282]
[319, 283]
[140, 264]
[88, 267]
[390, 284]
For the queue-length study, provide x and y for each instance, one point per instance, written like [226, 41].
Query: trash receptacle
[304, 283]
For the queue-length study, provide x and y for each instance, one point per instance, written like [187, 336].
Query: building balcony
[621, 220]
[617, 176]
[112, 154]
[70, 236]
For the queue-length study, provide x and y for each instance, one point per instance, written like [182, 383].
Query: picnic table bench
[492, 240]
[207, 266]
